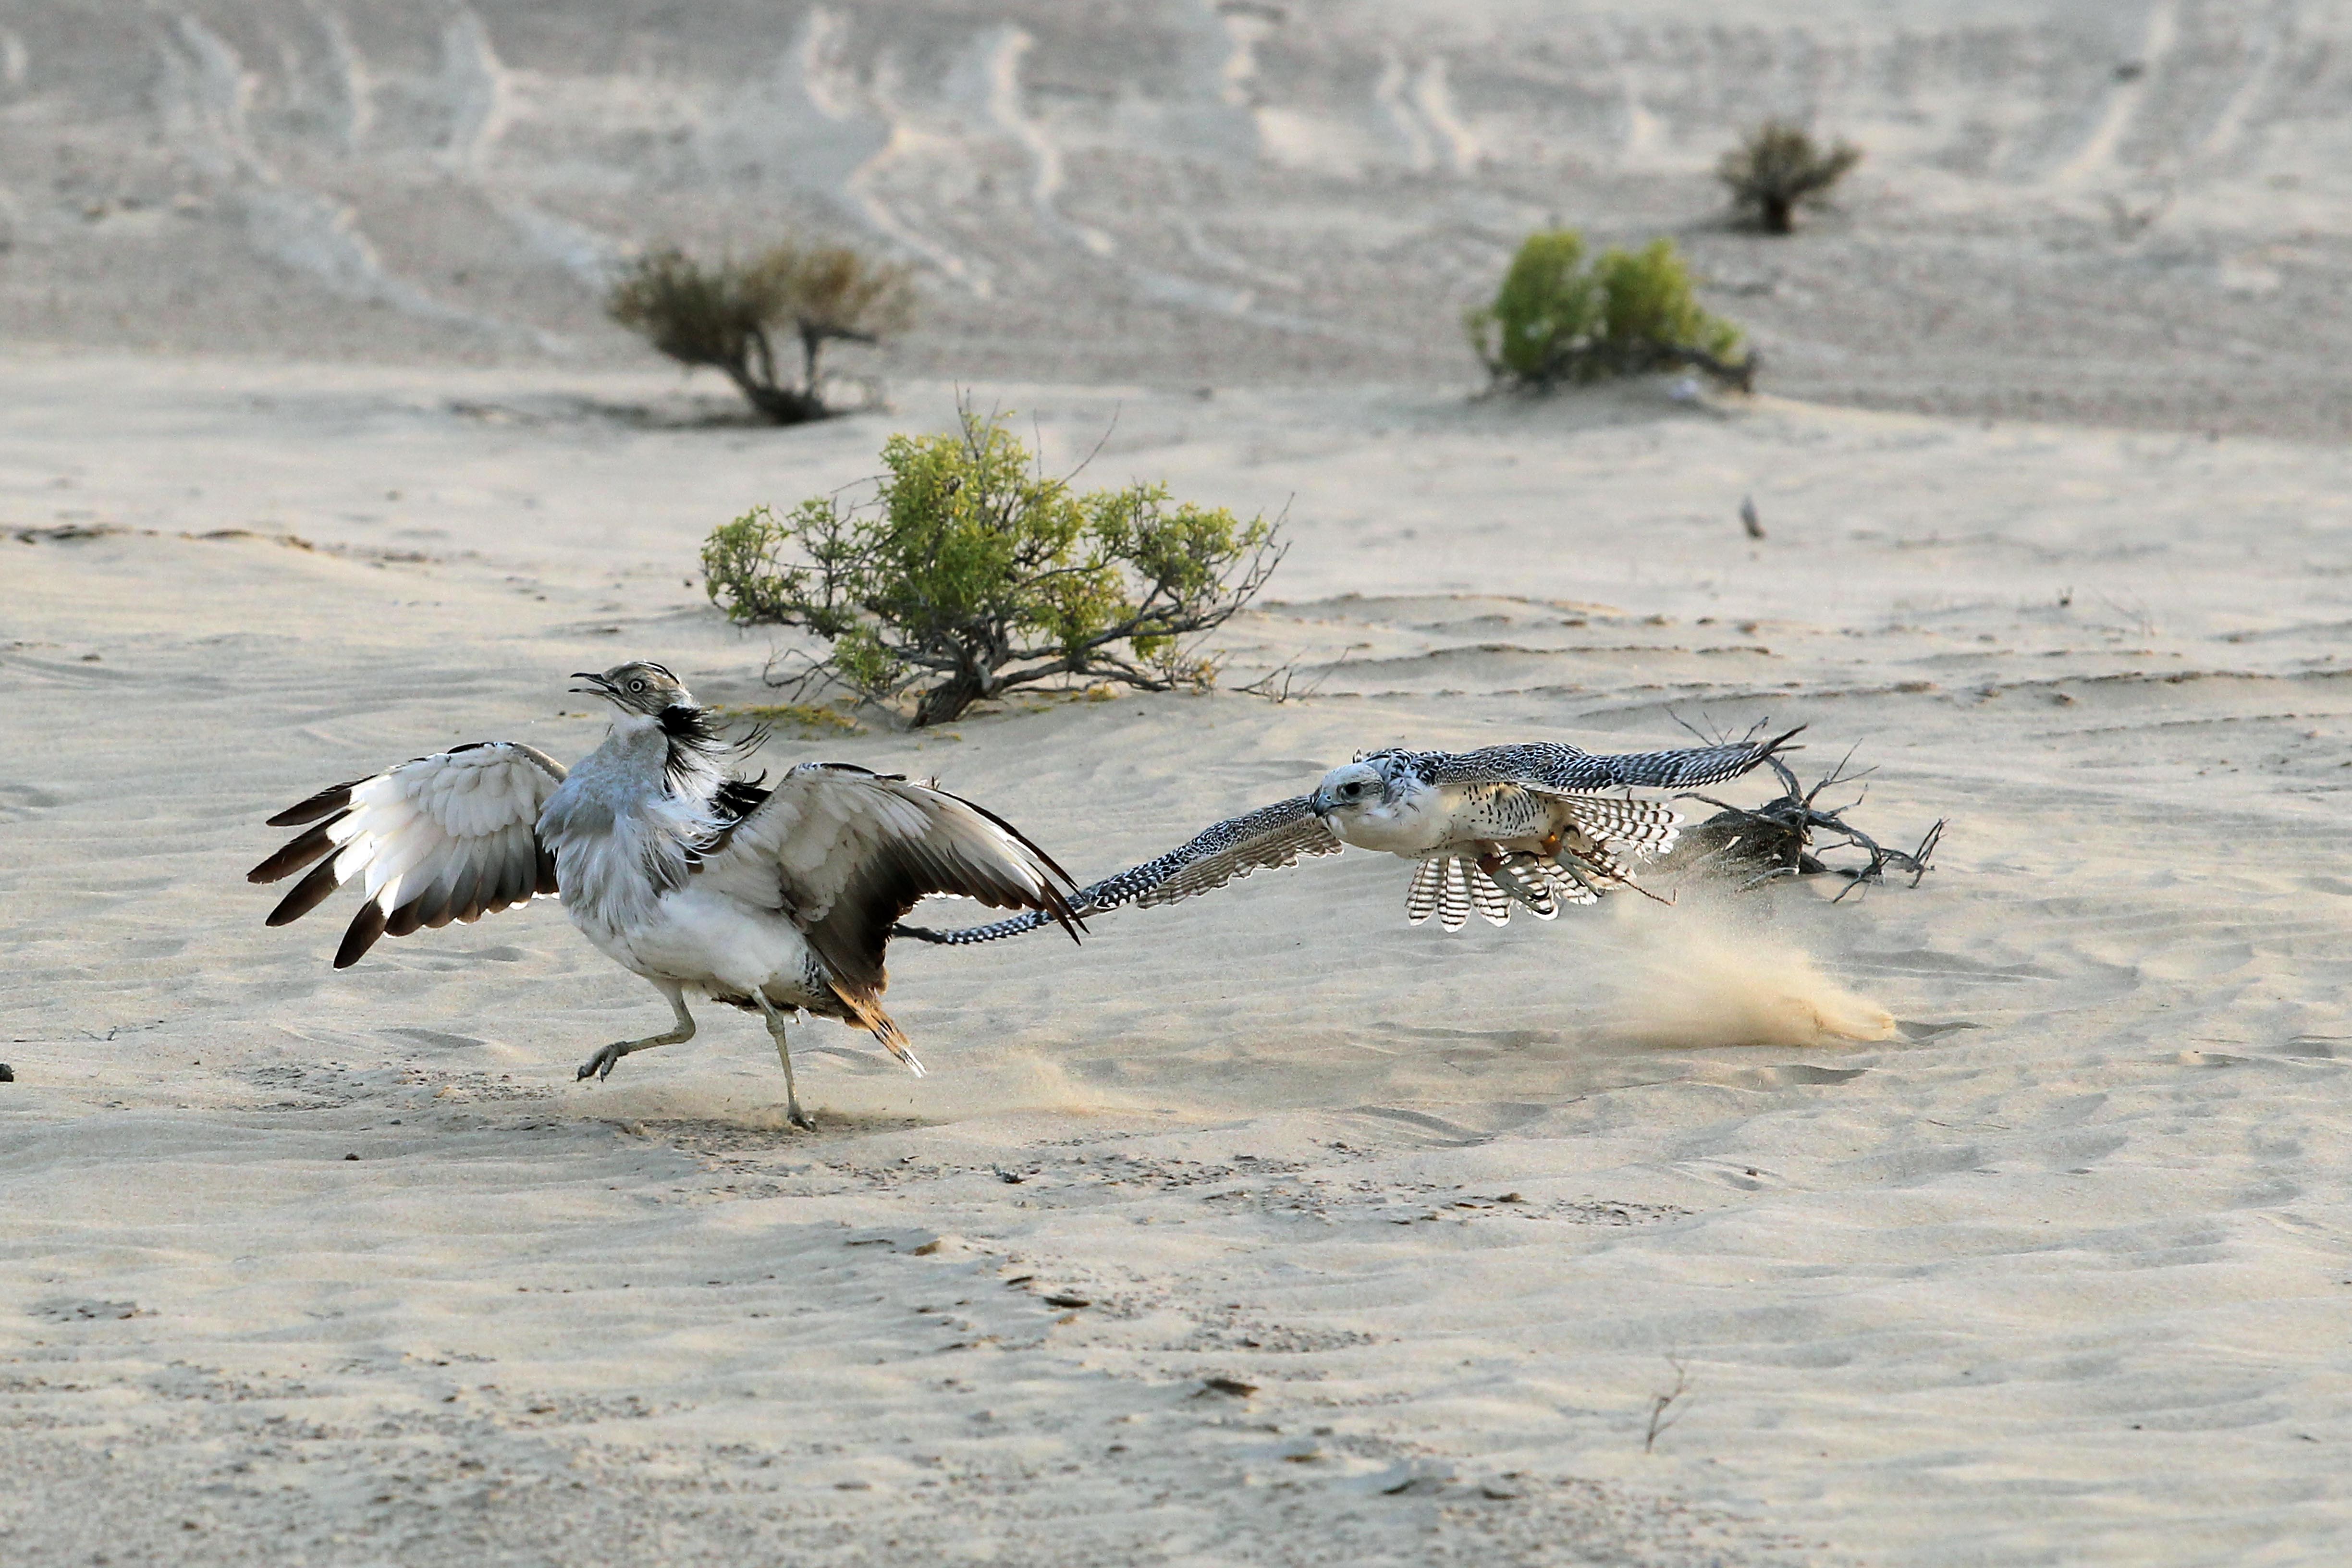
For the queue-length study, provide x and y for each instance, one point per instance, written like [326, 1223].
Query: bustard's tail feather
[880, 1025]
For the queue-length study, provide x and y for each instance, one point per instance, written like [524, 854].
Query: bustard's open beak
[597, 685]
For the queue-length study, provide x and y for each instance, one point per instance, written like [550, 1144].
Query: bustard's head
[639, 686]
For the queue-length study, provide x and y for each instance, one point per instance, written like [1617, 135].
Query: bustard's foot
[600, 1064]
[800, 1119]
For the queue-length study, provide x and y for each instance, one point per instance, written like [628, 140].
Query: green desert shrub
[967, 572]
[1777, 168]
[1560, 318]
[728, 314]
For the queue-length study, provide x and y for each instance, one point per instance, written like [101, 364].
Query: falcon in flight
[768, 899]
[1490, 828]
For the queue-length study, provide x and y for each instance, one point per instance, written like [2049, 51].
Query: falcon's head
[1376, 785]
[639, 686]
[1351, 791]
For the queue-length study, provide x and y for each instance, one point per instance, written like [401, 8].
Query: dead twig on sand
[1664, 1401]
[1280, 684]
[1789, 836]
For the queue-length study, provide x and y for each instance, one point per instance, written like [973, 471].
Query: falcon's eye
[1353, 790]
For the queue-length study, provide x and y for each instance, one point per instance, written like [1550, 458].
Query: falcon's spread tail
[1450, 887]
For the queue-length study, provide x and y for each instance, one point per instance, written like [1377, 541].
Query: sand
[1997, 1220]
[2050, 1273]
[2118, 212]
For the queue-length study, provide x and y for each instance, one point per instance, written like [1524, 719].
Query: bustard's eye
[637, 686]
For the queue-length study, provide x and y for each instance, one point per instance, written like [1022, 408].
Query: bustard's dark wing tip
[305, 896]
[1051, 899]
[298, 854]
[366, 926]
[334, 797]
[1050, 903]
[1064, 915]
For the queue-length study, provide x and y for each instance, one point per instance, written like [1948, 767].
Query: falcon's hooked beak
[1342, 789]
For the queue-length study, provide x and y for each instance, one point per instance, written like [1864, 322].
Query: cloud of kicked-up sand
[1704, 973]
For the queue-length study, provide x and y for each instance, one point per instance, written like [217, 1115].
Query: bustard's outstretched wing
[1275, 835]
[446, 838]
[845, 851]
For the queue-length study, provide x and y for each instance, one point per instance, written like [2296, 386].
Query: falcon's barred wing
[1275, 835]
[445, 837]
[1563, 769]
[845, 851]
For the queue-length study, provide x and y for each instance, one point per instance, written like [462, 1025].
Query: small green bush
[1556, 319]
[1777, 168]
[967, 572]
[722, 315]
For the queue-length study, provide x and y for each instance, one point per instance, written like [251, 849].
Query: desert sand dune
[2120, 214]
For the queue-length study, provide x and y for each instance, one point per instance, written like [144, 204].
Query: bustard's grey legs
[784, 1055]
[600, 1066]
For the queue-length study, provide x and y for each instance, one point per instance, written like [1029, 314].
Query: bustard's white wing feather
[845, 852]
[445, 837]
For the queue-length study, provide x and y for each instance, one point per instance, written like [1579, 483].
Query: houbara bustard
[1523, 825]
[770, 899]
